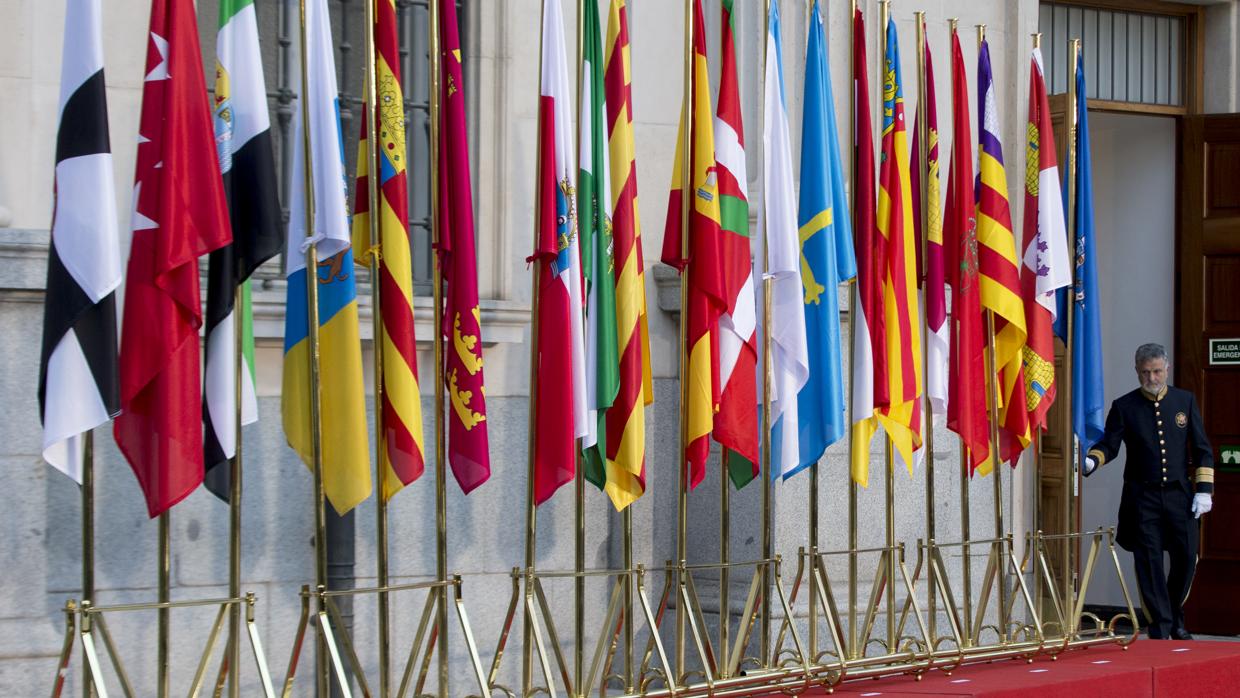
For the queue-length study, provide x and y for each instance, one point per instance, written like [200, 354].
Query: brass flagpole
[923, 139]
[376, 252]
[234, 498]
[531, 508]
[884, 13]
[88, 541]
[966, 475]
[1037, 469]
[852, 358]
[441, 464]
[165, 582]
[992, 375]
[768, 481]
[813, 467]
[686, 189]
[312, 307]
[1071, 466]
[579, 477]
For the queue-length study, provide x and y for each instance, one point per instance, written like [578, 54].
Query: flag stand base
[88, 621]
[331, 632]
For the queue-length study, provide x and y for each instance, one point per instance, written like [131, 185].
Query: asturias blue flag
[826, 255]
[1087, 389]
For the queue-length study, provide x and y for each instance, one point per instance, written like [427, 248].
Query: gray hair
[1149, 352]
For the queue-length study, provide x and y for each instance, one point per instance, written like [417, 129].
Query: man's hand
[1202, 503]
[1091, 464]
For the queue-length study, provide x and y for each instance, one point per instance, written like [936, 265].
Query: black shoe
[1180, 634]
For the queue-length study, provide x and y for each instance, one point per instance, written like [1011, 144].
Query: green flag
[594, 221]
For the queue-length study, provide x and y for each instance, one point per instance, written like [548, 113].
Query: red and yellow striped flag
[999, 269]
[626, 419]
[901, 417]
[704, 264]
[400, 450]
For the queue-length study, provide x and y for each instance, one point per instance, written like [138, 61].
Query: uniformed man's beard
[1153, 388]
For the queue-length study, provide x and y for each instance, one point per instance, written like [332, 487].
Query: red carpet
[1147, 668]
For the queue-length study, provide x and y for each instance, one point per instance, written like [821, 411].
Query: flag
[781, 248]
[1087, 382]
[597, 250]
[825, 235]
[931, 270]
[468, 449]
[401, 451]
[243, 145]
[704, 264]
[344, 444]
[902, 417]
[870, 390]
[1044, 258]
[626, 420]
[999, 270]
[179, 215]
[736, 423]
[966, 400]
[561, 390]
[78, 382]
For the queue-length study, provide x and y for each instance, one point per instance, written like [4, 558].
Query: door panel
[1208, 301]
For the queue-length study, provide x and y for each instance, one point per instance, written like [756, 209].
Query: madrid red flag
[966, 402]
[179, 215]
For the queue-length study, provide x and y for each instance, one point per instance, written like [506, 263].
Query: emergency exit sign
[1225, 352]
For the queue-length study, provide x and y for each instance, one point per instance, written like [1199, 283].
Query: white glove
[1202, 503]
[1091, 464]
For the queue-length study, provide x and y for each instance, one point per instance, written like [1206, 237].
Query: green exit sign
[1225, 352]
[1229, 458]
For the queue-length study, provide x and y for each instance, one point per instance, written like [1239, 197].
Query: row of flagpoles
[590, 371]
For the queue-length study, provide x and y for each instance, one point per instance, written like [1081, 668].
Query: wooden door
[1208, 303]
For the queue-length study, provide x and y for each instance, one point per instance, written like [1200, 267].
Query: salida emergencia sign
[1225, 352]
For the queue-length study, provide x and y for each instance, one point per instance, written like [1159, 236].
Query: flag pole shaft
[1070, 467]
[767, 481]
[165, 582]
[240, 300]
[312, 339]
[725, 549]
[884, 15]
[996, 458]
[579, 477]
[441, 464]
[923, 139]
[1037, 469]
[686, 196]
[627, 523]
[966, 473]
[813, 467]
[531, 508]
[376, 322]
[852, 357]
[88, 540]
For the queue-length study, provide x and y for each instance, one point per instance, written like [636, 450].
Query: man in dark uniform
[1168, 485]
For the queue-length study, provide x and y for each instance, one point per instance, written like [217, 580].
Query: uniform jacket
[1166, 447]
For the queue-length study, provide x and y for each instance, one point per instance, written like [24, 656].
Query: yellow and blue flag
[342, 406]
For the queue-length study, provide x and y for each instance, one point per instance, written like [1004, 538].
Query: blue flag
[1087, 389]
[827, 257]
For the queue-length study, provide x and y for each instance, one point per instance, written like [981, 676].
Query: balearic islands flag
[1044, 263]
[401, 450]
[704, 264]
[468, 448]
[999, 269]
[561, 408]
[243, 143]
[78, 372]
[932, 265]
[626, 420]
[781, 248]
[597, 261]
[966, 403]
[736, 423]
[870, 390]
[342, 407]
[179, 215]
[902, 417]
[825, 234]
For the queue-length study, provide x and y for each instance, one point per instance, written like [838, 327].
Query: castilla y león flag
[179, 215]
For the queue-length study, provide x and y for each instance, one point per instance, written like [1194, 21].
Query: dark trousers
[1165, 524]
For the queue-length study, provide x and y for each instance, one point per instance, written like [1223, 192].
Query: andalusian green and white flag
[594, 223]
[243, 143]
